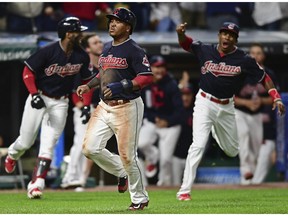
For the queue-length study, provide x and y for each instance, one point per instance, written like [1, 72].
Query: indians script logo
[66, 70]
[112, 62]
[220, 69]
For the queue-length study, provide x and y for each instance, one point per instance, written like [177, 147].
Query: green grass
[205, 201]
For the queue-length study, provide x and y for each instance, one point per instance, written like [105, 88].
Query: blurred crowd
[33, 17]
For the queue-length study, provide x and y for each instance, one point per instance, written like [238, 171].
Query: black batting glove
[86, 113]
[37, 101]
[118, 87]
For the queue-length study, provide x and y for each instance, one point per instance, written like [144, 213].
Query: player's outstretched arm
[183, 40]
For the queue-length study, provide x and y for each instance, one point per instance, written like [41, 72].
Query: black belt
[116, 102]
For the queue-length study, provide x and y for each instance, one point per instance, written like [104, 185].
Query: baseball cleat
[34, 193]
[140, 206]
[10, 164]
[248, 176]
[151, 170]
[184, 197]
[71, 184]
[122, 184]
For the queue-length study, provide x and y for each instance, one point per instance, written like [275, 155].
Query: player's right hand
[81, 90]
[180, 29]
[37, 101]
[281, 107]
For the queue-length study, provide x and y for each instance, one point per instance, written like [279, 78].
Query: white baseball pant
[178, 166]
[52, 120]
[250, 131]
[124, 121]
[264, 161]
[167, 141]
[207, 114]
[78, 162]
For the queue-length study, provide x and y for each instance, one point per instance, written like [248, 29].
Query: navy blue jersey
[55, 72]
[163, 99]
[223, 76]
[124, 61]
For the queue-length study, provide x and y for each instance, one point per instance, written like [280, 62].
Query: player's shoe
[34, 189]
[140, 206]
[122, 184]
[248, 175]
[34, 193]
[71, 184]
[10, 164]
[151, 170]
[184, 197]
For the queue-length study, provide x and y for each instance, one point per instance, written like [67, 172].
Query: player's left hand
[86, 114]
[280, 106]
[118, 87]
[37, 101]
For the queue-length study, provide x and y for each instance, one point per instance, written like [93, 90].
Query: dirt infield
[195, 186]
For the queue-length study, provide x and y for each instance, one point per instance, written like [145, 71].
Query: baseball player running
[124, 71]
[79, 167]
[223, 70]
[49, 77]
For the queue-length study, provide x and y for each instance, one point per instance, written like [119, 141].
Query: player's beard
[77, 41]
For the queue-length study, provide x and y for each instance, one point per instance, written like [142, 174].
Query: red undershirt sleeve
[143, 80]
[29, 80]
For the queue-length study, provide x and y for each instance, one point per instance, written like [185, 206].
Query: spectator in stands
[164, 16]
[284, 21]
[86, 11]
[267, 15]
[248, 102]
[194, 14]
[141, 9]
[220, 12]
[162, 119]
[24, 17]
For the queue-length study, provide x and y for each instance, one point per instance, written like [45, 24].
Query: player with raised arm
[49, 77]
[124, 71]
[224, 67]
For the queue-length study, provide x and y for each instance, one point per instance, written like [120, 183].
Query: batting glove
[37, 101]
[86, 114]
[119, 87]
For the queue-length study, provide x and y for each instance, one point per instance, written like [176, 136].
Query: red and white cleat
[10, 164]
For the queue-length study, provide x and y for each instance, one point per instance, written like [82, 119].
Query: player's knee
[233, 153]
[87, 151]
[126, 160]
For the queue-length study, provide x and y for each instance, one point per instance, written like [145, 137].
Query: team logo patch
[220, 69]
[231, 26]
[145, 61]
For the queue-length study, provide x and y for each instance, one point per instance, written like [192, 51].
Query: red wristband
[274, 94]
